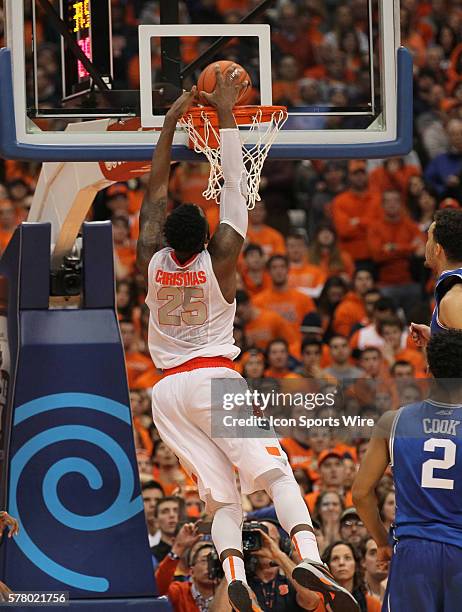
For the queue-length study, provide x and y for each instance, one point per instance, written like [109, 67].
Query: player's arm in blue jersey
[154, 208]
[450, 310]
[373, 467]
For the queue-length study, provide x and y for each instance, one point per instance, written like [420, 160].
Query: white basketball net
[262, 136]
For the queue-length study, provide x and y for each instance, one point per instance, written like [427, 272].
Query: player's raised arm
[226, 243]
[154, 208]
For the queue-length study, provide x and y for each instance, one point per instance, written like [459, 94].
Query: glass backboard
[348, 88]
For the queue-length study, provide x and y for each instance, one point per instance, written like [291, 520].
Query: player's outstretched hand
[384, 554]
[8, 521]
[420, 334]
[182, 104]
[227, 89]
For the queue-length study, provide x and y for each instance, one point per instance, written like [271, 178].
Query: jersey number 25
[191, 313]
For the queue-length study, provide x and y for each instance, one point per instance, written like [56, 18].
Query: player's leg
[262, 464]
[415, 581]
[178, 403]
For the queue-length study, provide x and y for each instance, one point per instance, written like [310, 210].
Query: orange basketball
[207, 81]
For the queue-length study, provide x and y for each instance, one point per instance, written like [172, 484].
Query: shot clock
[89, 23]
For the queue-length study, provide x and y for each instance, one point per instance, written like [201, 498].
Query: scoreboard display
[89, 24]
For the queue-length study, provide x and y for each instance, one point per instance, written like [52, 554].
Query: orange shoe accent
[200, 362]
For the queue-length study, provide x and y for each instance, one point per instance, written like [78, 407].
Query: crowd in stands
[331, 274]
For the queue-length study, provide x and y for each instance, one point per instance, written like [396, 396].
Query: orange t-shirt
[267, 326]
[136, 364]
[270, 240]
[349, 312]
[251, 286]
[289, 303]
[394, 265]
[296, 453]
[348, 205]
[306, 276]
[381, 180]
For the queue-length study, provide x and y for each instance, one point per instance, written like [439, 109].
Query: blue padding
[11, 149]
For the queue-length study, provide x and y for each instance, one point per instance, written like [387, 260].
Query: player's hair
[448, 233]
[444, 355]
[152, 484]
[253, 247]
[185, 229]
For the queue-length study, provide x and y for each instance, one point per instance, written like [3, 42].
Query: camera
[67, 280]
[251, 542]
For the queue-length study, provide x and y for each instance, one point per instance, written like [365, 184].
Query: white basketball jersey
[189, 317]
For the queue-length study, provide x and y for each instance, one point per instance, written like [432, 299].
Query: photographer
[272, 579]
[200, 592]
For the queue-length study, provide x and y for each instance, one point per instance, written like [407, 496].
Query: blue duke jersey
[426, 457]
[446, 281]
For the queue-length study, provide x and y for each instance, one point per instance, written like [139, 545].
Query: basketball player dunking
[443, 254]
[191, 296]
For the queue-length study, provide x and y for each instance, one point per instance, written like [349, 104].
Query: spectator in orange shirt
[393, 174]
[391, 330]
[331, 473]
[352, 309]
[255, 276]
[136, 363]
[277, 357]
[392, 240]
[303, 275]
[8, 223]
[117, 199]
[262, 325]
[289, 303]
[353, 212]
[286, 88]
[270, 240]
[325, 253]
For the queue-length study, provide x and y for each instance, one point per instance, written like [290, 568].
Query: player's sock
[292, 512]
[227, 537]
[234, 569]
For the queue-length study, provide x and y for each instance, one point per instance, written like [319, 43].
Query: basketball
[207, 81]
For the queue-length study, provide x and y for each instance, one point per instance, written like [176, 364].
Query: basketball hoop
[263, 124]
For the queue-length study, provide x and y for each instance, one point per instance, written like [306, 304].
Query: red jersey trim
[200, 362]
[186, 263]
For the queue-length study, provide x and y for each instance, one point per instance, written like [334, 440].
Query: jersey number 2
[192, 313]
[448, 461]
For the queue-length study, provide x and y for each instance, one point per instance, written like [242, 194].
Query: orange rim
[244, 115]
